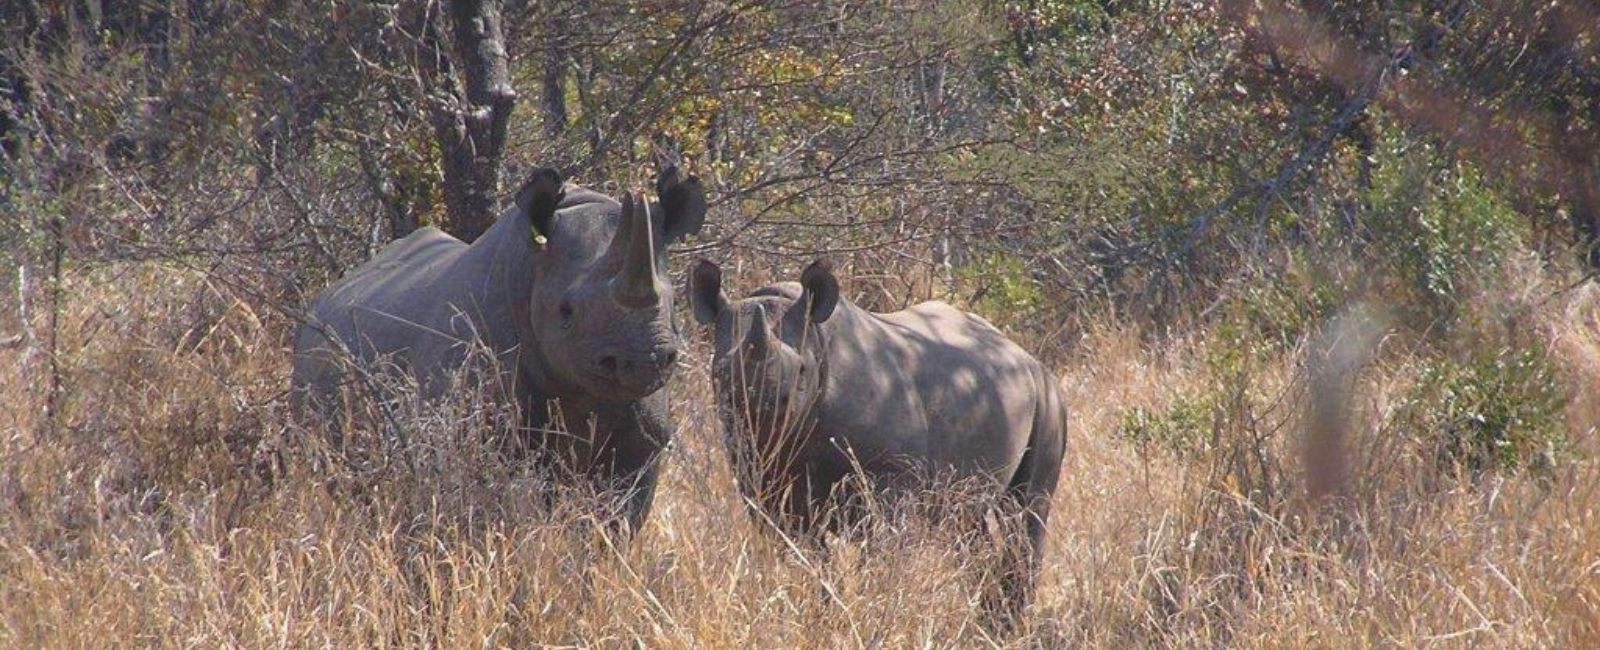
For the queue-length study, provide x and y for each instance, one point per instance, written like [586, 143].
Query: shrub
[1437, 226]
[1184, 429]
[1492, 411]
[1272, 311]
[1000, 286]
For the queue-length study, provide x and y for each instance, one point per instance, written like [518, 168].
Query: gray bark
[473, 112]
[555, 65]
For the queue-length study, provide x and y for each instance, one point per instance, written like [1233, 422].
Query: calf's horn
[758, 338]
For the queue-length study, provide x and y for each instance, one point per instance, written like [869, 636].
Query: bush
[1499, 411]
[1437, 227]
[1000, 287]
[1272, 311]
[1184, 429]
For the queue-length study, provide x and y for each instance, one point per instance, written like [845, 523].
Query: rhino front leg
[640, 495]
[632, 440]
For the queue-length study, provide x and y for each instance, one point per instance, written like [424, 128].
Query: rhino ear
[705, 292]
[540, 196]
[821, 294]
[683, 203]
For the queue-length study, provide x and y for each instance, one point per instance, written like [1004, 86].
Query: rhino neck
[840, 340]
[501, 260]
[862, 388]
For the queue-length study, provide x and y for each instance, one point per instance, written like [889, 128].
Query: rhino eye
[565, 310]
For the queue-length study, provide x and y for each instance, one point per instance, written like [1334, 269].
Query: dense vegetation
[1318, 276]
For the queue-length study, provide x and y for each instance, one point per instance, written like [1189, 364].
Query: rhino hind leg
[1022, 515]
[1028, 494]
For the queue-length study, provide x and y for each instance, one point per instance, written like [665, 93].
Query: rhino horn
[758, 339]
[637, 284]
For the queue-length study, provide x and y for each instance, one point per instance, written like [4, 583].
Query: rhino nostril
[609, 363]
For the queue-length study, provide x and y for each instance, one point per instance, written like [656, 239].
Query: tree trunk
[1579, 146]
[555, 66]
[147, 26]
[930, 85]
[293, 91]
[1584, 202]
[20, 27]
[584, 70]
[473, 112]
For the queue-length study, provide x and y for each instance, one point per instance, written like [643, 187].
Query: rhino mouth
[616, 387]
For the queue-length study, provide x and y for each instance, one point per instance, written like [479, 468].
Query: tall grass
[177, 508]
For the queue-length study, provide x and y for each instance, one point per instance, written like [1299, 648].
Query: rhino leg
[630, 440]
[613, 449]
[1029, 493]
[635, 492]
[316, 384]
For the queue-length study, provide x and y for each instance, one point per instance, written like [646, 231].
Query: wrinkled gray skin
[583, 321]
[812, 386]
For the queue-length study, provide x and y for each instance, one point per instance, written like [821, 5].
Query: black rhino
[813, 388]
[568, 293]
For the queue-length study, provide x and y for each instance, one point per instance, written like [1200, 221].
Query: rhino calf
[567, 292]
[812, 388]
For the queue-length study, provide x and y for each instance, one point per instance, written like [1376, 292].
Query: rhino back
[395, 272]
[409, 304]
[973, 391]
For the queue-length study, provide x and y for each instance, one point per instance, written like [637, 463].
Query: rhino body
[581, 320]
[813, 387]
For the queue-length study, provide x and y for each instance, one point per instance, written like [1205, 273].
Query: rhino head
[600, 312]
[769, 359]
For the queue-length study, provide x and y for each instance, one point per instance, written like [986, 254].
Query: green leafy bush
[1492, 411]
[1000, 286]
[1272, 311]
[1437, 226]
[1183, 429]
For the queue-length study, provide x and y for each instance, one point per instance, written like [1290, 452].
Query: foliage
[1493, 410]
[1274, 312]
[1184, 428]
[999, 286]
[1437, 228]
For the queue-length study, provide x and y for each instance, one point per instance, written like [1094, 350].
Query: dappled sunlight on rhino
[816, 392]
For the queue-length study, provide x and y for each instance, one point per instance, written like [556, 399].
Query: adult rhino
[566, 291]
[814, 389]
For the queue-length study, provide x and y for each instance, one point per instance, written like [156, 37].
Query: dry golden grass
[176, 509]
